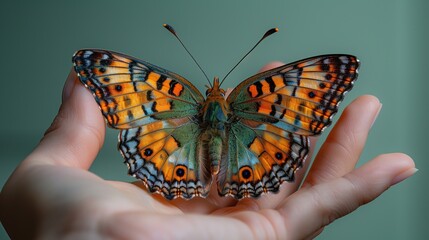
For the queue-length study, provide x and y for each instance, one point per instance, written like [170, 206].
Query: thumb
[77, 132]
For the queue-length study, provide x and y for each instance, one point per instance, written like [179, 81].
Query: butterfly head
[215, 91]
[215, 110]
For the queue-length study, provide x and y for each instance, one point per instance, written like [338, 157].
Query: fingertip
[89, 112]
[271, 65]
[228, 91]
[367, 102]
[370, 98]
[71, 81]
[404, 160]
[384, 171]
[397, 161]
[404, 166]
[77, 132]
[360, 114]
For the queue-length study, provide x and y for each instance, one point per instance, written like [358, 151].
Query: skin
[52, 195]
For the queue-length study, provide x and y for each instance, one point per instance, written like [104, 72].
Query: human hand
[52, 195]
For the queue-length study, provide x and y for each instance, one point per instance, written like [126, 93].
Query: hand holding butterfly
[52, 195]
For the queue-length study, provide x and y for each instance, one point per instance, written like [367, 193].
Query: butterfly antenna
[268, 33]
[171, 29]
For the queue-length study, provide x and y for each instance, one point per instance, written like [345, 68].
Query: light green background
[38, 38]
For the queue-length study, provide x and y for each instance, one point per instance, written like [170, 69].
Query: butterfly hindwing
[277, 110]
[163, 155]
[155, 110]
[259, 158]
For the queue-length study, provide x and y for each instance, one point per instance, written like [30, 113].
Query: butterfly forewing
[133, 93]
[300, 96]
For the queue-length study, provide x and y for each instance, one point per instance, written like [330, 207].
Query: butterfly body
[179, 142]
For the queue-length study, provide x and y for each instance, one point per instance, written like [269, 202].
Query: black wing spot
[271, 84]
[105, 62]
[279, 99]
[328, 76]
[273, 110]
[246, 173]
[325, 67]
[154, 107]
[160, 82]
[147, 152]
[149, 96]
[180, 172]
[258, 86]
[283, 113]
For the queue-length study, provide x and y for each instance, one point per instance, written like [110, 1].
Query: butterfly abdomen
[215, 150]
[212, 137]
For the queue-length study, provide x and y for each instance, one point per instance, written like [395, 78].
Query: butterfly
[179, 142]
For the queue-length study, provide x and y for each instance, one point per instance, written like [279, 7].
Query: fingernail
[376, 115]
[69, 85]
[228, 91]
[404, 175]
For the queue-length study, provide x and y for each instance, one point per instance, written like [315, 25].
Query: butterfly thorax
[215, 109]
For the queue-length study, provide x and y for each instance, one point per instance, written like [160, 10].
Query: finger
[271, 200]
[314, 207]
[76, 134]
[271, 65]
[315, 234]
[343, 147]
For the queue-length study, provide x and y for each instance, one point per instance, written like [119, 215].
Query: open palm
[52, 195]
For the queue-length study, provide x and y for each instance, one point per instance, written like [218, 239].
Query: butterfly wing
[155, 110]
[275, 112]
